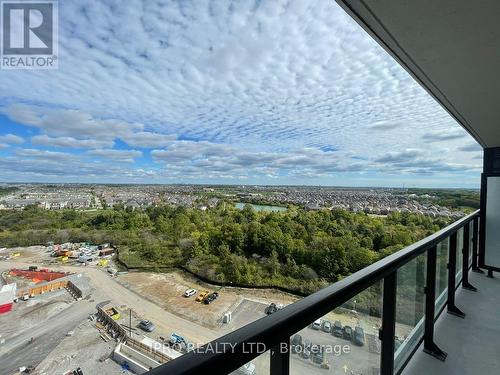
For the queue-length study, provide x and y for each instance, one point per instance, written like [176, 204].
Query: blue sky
[265, 92]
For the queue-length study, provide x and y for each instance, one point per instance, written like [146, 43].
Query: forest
[296, 249]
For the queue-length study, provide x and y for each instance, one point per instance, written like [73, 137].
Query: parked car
[176, 339]
[337, 329]
[306, 344]
[210, 298]
[347, 333]
[315, 348]
[271, 309]
[306, 353]
[397, 342]
[296, 343]
[318, 354]
[359, 336]
[85, 259]
[316, 324]
[146, 325]
[202, 295]
[246, 369]
[189, 292]
[327, 326]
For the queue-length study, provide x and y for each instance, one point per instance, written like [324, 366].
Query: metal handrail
[277, 328]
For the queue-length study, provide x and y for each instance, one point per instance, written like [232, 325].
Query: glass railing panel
[460, 246]
[442, 253]
[410, 308]
[344, 341]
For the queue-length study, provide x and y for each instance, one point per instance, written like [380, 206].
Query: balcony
[472, 343]
[431, 307]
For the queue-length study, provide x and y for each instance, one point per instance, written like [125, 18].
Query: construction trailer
[7, 297]
[62, 253]
[106, 252]
[50, 286]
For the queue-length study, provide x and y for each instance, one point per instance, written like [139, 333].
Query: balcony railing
[394, 301]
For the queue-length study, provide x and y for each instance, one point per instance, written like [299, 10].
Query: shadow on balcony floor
[473, 343]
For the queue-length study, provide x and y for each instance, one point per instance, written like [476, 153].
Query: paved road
[17, 351]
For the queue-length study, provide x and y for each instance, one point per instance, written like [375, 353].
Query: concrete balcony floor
[473, 343]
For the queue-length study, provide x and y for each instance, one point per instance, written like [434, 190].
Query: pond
[260, 207]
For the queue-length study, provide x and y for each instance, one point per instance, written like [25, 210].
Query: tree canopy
[296, 249]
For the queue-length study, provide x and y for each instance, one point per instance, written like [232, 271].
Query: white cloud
[43, 154]
[147, 139]
[384, 125]
[73, 128]
[68, 123]
[471, 147]
[11, 139]
[399, 156]
[58, 169]
[445, 135]
[70, 142]
[123, 156]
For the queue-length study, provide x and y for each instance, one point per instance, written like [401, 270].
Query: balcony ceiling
[452, 47]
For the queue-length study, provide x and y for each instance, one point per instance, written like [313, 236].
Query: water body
[260, 207]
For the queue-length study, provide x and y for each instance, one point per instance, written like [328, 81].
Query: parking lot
[246, 312]
[342, 356]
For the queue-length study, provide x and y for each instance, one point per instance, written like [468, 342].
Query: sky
[225, 92]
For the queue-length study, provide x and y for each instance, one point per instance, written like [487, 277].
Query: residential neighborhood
[377, 201]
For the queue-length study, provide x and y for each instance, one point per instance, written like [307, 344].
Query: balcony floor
[473, 343]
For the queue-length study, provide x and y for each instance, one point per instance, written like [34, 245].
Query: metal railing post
[388, 330]
[452, 268]
[430, 346]
[475, 243]
[465, 260]
[280, 359]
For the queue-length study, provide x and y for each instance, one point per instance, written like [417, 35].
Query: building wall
[137, 362]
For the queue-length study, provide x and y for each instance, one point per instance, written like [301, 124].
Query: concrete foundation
[137, 362]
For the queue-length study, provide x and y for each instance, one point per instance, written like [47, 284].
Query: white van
[316, 324]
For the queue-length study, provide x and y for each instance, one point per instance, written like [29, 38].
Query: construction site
[67, 309]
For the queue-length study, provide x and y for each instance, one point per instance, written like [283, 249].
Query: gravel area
[27, 314]
[84, 349]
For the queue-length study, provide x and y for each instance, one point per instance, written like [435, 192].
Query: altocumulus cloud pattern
[220, 91]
